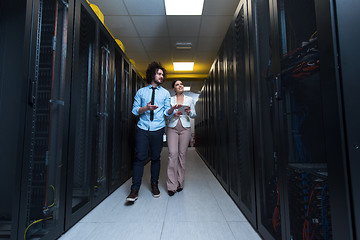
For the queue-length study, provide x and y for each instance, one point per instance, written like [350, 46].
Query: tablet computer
[182, 109]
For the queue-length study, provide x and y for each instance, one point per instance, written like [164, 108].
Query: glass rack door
[100, 185]
[126, 164]
[117, 130]
[242, 115]
[45, 151]
[266, 151]
[306, 168]
[80, 144]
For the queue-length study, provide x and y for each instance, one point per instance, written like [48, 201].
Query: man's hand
[151, 107]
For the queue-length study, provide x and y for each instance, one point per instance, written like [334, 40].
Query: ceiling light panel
[183, 66]
[184, 7]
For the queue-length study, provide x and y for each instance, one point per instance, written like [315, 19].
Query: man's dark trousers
[144, 140]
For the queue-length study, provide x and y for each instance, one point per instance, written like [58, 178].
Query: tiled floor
[203, 210]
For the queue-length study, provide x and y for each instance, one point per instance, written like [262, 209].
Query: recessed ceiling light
[183, 66]
[184, 7]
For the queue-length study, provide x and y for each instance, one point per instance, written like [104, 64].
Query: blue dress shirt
[162, 100]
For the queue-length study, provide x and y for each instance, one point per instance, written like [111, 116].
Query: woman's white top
[184, 118]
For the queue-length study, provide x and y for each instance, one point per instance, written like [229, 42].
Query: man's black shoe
[155, 190]
[133, 196]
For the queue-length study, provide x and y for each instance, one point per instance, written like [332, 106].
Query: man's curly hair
[152, 70]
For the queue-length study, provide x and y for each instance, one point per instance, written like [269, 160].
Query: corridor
[203, 210]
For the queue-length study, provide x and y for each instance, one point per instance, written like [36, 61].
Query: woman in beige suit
[178, 137]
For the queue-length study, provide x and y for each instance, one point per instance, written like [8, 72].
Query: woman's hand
[178, 113]
[187, 110]
[176, 106]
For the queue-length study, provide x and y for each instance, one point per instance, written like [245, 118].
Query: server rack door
[15, 25]
[222, 121]
[42, 207]
[111, 115]
[102, 101]
[132, 117]
[307, 95]
[115, 177]
[210, 118]
[216, 105]
[211, 145]
[80, 156]
[204, 137]
[243, 116]
[265, 154]
[348, 45]
[126, 165]
[233, 164]
[341, 213]
[199, 123]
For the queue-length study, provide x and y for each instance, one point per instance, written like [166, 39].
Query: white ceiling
[148, 34]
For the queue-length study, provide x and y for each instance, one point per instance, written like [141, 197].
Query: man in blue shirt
[152, 104]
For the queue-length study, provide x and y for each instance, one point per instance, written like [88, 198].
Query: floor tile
[243, 231]
[196, 231]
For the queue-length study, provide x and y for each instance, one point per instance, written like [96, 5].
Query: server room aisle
[203, 210]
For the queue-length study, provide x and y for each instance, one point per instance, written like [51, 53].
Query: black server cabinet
[241, 165]
[115, 175]
[347, 14]
[312, 158]
[210, 134]
[206, 131]
[222, 121]
[111, 115]
[229, 132]
[82, 115]
[132, 118]
[266, 146]
[41, 34]
[14, 57]
[94, 162]
[126, 165]
[294, 88]
[102, 101]
[232, 112]
[217, 155]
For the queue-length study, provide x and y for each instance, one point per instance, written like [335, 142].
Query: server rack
[63, 110]
[242, 107]
[14, 41]
[346, 14]
[132, 118]
[222, 120]
[126, 165]
[311, 126]
[115, 176]
[103, 115]
[266, 146]
[99, 157]
[45, 138]
[291, 88]
[41, 37]
[80, 167]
